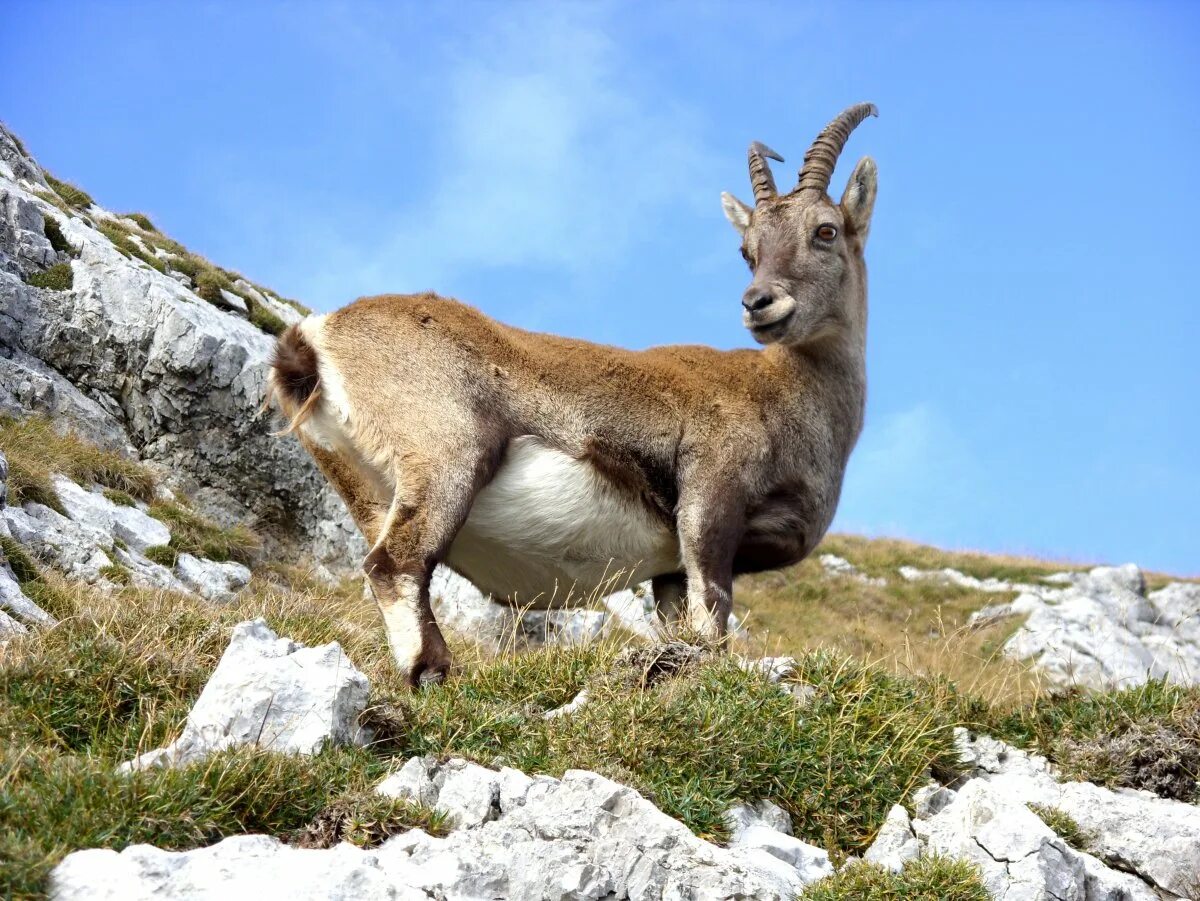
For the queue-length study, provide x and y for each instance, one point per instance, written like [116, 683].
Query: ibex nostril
[757, 302]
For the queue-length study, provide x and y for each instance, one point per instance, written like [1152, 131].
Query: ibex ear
[858, 201]
[736, 212]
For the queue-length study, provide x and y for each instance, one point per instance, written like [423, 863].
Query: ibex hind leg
[430, 504]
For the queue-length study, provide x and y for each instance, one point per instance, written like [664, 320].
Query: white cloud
[549, 152]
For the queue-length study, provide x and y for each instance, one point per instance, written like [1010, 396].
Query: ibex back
[533, 464]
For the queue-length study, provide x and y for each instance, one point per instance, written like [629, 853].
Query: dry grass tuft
[36, 450]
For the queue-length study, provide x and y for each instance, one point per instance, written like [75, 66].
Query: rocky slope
[136, 360]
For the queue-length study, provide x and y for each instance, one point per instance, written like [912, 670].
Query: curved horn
[823, 154]
[761, 179]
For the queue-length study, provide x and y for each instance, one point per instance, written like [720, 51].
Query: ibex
[530, 463]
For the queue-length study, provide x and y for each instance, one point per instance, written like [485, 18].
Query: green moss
[117, 573]
[162, 554]
[142, 220]
[59, 277]
[193, 534]
[1065, 826]
[71, 195]
[265, 319]
[53, 233]
[930, 878]
[122, 498]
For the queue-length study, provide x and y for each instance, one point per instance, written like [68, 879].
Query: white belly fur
[550, 528]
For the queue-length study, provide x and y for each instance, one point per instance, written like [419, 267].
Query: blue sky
[1034, 314]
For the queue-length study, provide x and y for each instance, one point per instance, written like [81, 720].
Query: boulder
[213, 581]
[273, 693]
[75, 549]
[1019, 856]
[91, 508]
[1156, 838]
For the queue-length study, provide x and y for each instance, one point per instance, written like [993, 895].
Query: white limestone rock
[896, 843]
[75, 549]
[145, 573]
[274, 693]
[759, 813]
[571, 626]
[91, 508]
[8, 625]
[462, 608]
[1019, 857]
[579, 837]
[1157, 838]
[467, 793]
[766, 828]
[213, 581]
[840, 566]
[242, 866]
[586, 837]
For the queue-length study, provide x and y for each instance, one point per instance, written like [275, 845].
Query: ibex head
[805, 251]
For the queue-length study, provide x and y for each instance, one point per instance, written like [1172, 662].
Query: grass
[46, 589]
[697, 744]
[366, 819]
[1065, 827]
[210, 282]
[1145, 737]
[53, 233]
[119, 236]
[51, 804]
[927, 879]
[264, 319]
[192, 534]
[72, 196]
[35, 450]
[59, 277]
[116, 573]
[119, 674]
[142, 220]
[909, 627]
[162, 554]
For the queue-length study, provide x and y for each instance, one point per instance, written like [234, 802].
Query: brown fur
[741, 453]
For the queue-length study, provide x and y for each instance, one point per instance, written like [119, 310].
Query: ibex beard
[532, 463]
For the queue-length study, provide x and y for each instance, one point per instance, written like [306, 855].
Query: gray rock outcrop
[137, 362]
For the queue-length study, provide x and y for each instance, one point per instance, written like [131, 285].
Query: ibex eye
[745, 256]
[826, 232]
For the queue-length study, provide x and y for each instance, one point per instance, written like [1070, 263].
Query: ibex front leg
[711, 522]
[429, 507]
